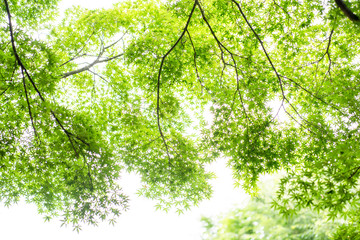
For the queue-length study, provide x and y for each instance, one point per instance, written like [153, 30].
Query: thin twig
[262, 46]
[196, 68]
[281, 8]
[77, 54]
[221, 47]
[313, 95]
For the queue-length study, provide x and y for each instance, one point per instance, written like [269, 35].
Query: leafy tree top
[122, 89]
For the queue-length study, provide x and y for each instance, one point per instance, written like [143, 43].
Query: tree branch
[97, 60]
[196, 68]
[77, 54]
[281, 8]
[159, 80]
[29, 106]
[4, 91]
[313, 95]
[87, 67]
[221, 46]
[262, 46]
[23, 68]
[347, 11]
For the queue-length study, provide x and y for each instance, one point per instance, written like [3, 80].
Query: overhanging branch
[159, 80]
[347, 11]
[24, 70]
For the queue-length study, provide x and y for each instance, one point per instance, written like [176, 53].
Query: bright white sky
[141, 221]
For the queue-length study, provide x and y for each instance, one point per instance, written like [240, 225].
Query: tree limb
[97, 60]
[347, 11]
[28, 103]
[87, 67]
[77, 54]
[159, 78]
[23, 68]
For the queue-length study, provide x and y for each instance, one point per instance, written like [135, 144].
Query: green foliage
[128, 89]
[258, 220]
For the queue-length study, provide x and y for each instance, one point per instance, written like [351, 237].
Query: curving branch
[281, 8]
[313, 95]
[262, 46]
[354, 173]
[196, 68]
[24, 70]
[159, 80]
[347, 11]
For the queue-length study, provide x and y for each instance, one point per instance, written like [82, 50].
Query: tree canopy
[128, 88]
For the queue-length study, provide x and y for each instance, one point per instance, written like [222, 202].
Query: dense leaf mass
[162, 88]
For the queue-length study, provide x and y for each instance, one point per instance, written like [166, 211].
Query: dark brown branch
[89, 173]
[159, 80]
[4, 91]
[211, 30]
[196, 68]
[23, 68]
[313, 95]
[347, 11]
[291, 116]
[353, 174]
[195, 65]
[29, 106]
[262, 45]
[281, 8]
[269, 60]
[15, 51]
[238, 88]
[327, 53]
[328, 46]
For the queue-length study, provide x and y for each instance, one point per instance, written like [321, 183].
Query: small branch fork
[196, 68]
[26, 73]
[327, 53]
[97, 61]
[78, 55]
[267, 56]
[262, 46]
[278, 76]
[222, 48]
